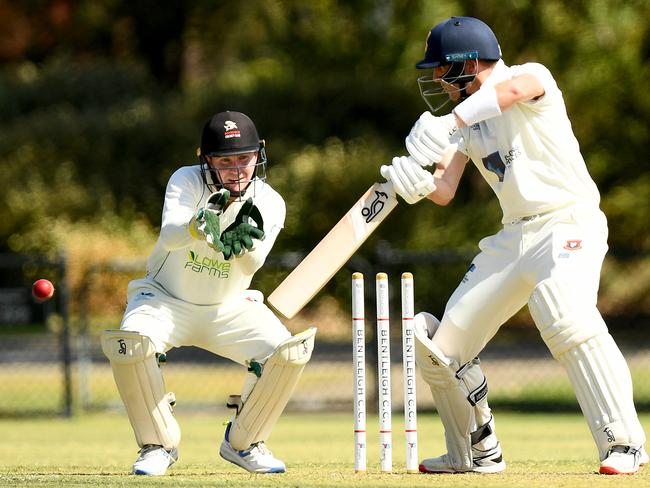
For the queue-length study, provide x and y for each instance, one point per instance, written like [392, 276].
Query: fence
[35, 353]
[52, 369]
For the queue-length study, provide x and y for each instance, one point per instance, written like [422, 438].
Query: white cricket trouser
[567, 244]
[241, 329]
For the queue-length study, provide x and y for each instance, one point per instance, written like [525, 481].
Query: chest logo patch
[573, 244]
[495, 164]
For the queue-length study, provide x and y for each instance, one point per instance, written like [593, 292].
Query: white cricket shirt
[529, 154]
[188, 269]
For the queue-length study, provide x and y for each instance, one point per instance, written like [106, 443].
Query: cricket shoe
[154, 460]
[624, 460]
[483, 462]
[256, 459]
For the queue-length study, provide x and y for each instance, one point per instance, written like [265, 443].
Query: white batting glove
[410, 180]
[430, 138]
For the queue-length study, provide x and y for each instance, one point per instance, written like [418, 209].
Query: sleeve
[459, 139]
[182, 197]
[542, 73]
[273, 212]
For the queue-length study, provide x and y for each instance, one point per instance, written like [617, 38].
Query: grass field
[542, 450]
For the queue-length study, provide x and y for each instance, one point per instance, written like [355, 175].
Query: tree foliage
[101, 100]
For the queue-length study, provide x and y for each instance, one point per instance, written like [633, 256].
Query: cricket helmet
[452, 43]
[459, 39]
[229, 134]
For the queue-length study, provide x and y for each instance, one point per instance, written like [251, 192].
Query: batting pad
[272, 391]
[603, 386]
[577, 336]
[141, 386]
[456, 392]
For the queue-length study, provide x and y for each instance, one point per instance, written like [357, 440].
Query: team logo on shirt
[498, 165]
[573, 244]
[494, 164]
[207, 265]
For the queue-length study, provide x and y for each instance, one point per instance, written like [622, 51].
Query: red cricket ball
[42, 290]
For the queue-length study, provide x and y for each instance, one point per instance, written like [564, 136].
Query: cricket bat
[333, 251]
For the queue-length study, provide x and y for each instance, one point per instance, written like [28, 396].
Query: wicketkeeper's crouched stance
[196, 293]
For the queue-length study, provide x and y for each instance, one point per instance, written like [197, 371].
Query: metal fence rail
[51, 369]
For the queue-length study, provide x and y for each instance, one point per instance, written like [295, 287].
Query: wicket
[384, 373]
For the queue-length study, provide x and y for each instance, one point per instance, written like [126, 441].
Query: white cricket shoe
[624, 460]
[154, 460]
[483, 462]
[256, 459]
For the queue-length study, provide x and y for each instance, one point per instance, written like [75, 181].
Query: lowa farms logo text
[213, 267]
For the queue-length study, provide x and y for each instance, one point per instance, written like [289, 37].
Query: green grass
[549, 450]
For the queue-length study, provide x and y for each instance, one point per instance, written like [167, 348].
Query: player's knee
[269, 390]
[126, 347]
[564, 316]
[140, 383]
[437, 369]
[426, 322]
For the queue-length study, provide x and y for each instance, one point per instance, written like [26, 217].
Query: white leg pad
[599, 374]
[603, 387]
[141, 386]
[272, 392]
[456, 391]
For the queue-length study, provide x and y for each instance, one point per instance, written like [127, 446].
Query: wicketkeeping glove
[430, 138]
[238, 237]
[205, 223]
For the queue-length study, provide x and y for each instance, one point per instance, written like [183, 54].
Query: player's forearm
[447, 177]
[443, 195]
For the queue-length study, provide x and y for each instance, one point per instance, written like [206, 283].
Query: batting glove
[205, 224]
[410, 180]
[430, 138]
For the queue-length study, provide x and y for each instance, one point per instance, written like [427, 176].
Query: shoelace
[625, 450]
[261, 448]
[147, 448]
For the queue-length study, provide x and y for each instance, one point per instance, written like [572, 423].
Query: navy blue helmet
[458, 39]
[454, 42]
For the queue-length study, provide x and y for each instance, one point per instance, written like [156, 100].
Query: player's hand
[205, 223]
[238, 237]
[410, 180]
[430, 138]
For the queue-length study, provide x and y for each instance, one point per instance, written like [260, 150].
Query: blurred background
[101, 100]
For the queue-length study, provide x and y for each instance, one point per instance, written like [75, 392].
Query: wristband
[481, 106]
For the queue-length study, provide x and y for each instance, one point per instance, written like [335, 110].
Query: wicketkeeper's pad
[141, 386]
[271, 393]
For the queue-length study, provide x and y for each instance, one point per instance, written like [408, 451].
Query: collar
[500, 73]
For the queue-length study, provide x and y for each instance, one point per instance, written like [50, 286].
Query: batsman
[219, 222]
[511, 121]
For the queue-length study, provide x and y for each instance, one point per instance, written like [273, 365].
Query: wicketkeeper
[511, 121]
[219, 222]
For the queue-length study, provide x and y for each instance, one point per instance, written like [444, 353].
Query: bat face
[334, 250]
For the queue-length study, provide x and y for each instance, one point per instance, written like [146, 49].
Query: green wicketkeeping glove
[205, 224]
[238, 236]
